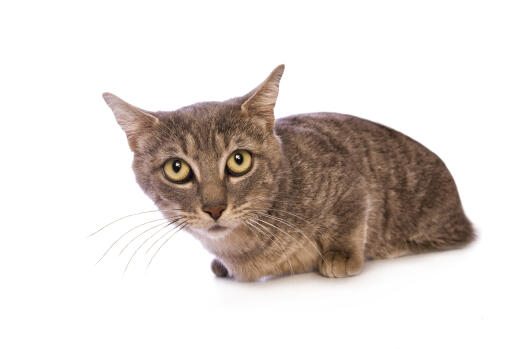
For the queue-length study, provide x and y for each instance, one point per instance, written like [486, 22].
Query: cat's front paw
[337, 264]
[219, 269]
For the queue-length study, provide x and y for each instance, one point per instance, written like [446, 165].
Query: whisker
[142, 233]
[131, 215]
[142, 244]
[159, 230]
[161, 237]
[241, 208]
[126, 233]
[251, 223]
[294, 215]
[258, 219]
[164, 242]
[298, 230]
[149, 238]
[285, 198]
[273, 236]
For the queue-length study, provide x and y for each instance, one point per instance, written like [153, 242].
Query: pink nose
[214, 211]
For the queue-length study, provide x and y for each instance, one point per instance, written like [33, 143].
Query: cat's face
[210, 165]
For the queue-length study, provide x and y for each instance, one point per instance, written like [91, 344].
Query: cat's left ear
[136, 123]
[261, 103]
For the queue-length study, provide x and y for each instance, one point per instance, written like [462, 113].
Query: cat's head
[210, 164]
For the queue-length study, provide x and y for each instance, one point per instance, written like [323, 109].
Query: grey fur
[326, 192]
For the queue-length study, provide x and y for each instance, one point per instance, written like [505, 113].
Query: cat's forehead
[210, 127]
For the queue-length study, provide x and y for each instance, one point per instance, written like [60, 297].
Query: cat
[312, 192]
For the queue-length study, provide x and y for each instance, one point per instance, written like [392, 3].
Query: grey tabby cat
[313, 192]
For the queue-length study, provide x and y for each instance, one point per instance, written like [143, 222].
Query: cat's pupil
[176, 166]
[238, 158]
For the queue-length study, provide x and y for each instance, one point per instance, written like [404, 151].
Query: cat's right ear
[135, 122]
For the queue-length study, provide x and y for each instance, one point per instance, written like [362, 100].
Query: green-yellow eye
[239, 163]
[177, 170]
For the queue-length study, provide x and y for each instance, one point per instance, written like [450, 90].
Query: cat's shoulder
[319, 116]
[314, 121]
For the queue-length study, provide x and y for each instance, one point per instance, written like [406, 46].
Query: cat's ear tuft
[262, 100]
[135, 122]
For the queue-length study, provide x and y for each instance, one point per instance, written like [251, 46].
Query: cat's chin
[214, 232]
[217, 228]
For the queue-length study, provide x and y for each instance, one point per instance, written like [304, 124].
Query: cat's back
[344, 148]
[314, 131]
[325, 124]
[313, 124]
[359, 139]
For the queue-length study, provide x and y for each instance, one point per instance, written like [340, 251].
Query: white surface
[438, 72]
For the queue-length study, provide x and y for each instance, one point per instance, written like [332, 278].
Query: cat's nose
[214, 211]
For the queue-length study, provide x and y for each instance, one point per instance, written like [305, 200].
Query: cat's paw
[219, 269]
[337, 264]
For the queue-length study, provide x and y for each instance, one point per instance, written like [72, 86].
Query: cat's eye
[177, 171]
[239, 163]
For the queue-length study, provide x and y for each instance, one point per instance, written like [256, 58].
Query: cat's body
[383, 195]
[324, 191]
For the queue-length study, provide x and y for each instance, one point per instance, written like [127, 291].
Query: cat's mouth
[216, 228]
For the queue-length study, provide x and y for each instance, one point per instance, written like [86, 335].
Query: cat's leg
[343, 252]
[219, 269]
[269, 269]
[341, 263]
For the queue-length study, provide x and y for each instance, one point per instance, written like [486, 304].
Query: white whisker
[139, 235]
[252, 224]
[161, 237]
[126, 233]
[295, 228]
[131, 215]
[164, 242]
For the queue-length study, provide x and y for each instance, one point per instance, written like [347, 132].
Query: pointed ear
[261, 103]
[134, 121]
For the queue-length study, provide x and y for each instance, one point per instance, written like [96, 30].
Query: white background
[438, 71]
